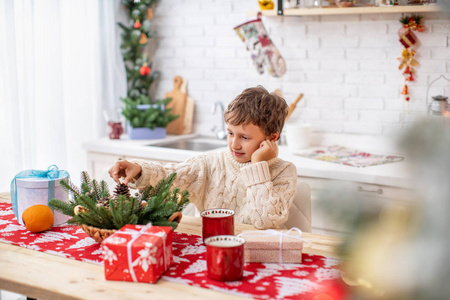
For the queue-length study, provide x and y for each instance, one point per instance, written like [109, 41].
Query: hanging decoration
[408, 39]
[263, 51]
[144, 70]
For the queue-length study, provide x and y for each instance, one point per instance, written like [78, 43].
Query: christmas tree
[140, 76]
[93, 205]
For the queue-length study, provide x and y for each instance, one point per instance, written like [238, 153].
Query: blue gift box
[31, 187]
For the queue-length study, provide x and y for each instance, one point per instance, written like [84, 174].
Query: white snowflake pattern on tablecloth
[326, 274]
[83, 243]
[66, 228]
[331, 262]
[108, 255]
[6, 212]
[301, 273]
[177, 259]
[7, 234]
[196, 267]
[98, 251]
[271, 270]
[233, 283]
[51, 236]
[147, 257]
[12, 227]
[193, 250]
[3, 222]
[293, 286]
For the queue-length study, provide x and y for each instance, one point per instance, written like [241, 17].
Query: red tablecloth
[261, 281]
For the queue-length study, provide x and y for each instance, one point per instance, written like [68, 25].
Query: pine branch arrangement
[93, 205]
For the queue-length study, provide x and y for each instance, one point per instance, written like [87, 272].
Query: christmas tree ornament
[137, 24]
[407, 59]
[79, 210]
[150, 14]
[144, 70]
[143, 39]
[263, 52]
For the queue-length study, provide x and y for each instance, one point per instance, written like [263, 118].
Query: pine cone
[122, 189]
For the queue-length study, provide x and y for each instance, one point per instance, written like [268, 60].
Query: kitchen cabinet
[378, 194]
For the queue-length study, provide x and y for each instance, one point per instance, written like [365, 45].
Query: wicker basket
[99, 234]
[96, 233]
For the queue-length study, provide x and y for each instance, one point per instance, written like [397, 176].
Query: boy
[247, 177]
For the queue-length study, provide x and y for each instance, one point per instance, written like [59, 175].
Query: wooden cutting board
[178, 105]
[189, 112]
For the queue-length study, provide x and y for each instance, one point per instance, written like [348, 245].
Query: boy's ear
[274, 137]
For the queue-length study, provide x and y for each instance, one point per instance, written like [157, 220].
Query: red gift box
[139, 253]
[408, 39]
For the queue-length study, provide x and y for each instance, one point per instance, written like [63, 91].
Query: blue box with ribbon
[31, 187]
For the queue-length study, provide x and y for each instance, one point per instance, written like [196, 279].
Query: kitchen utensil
[225, 257]
[178, 106]
[439, 106]
[293, 105]
[217, 221]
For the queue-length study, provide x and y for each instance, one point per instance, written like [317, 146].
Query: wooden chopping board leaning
[189, 112]
[178, 106]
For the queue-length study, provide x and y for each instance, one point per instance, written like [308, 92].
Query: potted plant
[146, 118]
[100, 214]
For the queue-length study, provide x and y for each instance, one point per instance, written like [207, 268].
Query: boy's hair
[256, 105]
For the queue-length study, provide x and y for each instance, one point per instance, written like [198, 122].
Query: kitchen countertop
[392, 174]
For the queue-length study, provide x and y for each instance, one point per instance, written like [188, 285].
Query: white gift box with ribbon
[273, 246]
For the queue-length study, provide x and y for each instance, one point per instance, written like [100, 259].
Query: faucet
[222, 133]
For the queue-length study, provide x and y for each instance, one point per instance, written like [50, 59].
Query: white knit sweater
[260, 194]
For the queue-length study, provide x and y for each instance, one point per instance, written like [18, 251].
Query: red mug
[217, 221]
[225, 257]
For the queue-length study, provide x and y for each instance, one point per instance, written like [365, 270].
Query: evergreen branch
[68, 186]
[64, 207]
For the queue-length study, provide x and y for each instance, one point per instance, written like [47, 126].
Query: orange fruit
[38, 218]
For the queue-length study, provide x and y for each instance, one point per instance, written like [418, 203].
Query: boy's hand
[124, 168]
[267, 150]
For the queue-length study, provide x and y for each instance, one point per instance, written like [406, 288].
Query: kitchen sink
[193, 144]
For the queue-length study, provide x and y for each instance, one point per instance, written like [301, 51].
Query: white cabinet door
[381, 194]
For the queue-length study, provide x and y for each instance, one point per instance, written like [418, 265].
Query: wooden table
[45, 276]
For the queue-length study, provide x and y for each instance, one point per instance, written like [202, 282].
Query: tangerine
[38, 218]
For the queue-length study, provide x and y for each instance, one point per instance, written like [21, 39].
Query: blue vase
[144, 133]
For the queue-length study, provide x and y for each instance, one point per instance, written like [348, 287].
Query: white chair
[300, 212]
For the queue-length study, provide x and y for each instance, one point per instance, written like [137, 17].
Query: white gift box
[32, 187]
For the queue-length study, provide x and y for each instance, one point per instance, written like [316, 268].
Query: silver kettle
[439, 106]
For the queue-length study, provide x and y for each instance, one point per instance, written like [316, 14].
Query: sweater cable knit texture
[260, 194]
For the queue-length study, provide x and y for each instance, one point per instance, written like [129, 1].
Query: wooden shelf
[352, 10]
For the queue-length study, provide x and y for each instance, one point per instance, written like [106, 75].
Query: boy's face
[243, 140]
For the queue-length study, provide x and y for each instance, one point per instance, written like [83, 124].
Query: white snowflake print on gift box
[109, 255]
[147, 257]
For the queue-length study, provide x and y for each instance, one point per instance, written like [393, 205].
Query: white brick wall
[346, 66]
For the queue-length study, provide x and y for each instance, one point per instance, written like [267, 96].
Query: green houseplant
[100, 214]
[146, 118]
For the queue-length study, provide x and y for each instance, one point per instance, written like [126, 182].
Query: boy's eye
[245, 138]
[230, 133]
